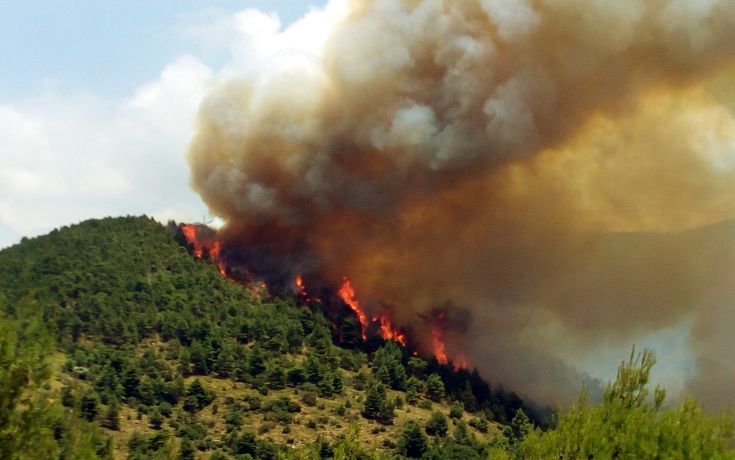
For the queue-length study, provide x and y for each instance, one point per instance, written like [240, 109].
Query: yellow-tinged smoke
[481, 153]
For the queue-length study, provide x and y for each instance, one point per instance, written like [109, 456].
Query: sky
[98, 99]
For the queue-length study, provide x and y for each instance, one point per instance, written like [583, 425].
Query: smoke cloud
[538, 163]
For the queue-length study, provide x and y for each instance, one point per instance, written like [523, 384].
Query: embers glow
[300, 284]
[347, 293]
[461, 362]
[302, 294]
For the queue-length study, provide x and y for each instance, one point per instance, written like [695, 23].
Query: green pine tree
[413, 442]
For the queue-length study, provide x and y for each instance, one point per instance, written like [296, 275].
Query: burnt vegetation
[117, 343]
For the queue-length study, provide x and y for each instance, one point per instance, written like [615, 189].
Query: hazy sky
[97, 101]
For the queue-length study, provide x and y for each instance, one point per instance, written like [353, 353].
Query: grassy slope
[329, 424]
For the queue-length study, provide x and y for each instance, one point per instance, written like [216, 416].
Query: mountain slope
[174, 360]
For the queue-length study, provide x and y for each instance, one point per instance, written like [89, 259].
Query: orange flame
[437, 338]
[389, 332]
[301, 293]
[191, 233]
[347, 293]
[215, 250]
[214, 253]
[439, 326]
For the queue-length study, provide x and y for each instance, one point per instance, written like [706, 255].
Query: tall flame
[440, 324]
[437, 338]
[347, 293]
[390, 332]
[190, 233]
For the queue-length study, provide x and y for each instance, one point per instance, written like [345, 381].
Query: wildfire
[301, 293]
[203, 244]
[439, 324]
[437, 338]
[190, 233]
[347, 293]
[214, 249]
[389, 332]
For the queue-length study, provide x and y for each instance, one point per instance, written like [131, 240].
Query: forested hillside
[165, 355]
[116, 343]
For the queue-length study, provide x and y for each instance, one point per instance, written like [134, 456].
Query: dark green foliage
[434, 388]
[456, 451]
[156, 419]
[280, 409]
[144, 447]
[197, 397]
[520, 426]
[377, 405]
[417, 366]
[352, 360]
[32, 425]
[414, 388]
[462, 434]
[192, 430]
[233, 417]
[425, 404]
[218, 455]
[295, 376]
[467, 398]
[166, 409]
[387, 366]
[67, 398]
[245, 444]
[345, 447]
[309, 394]
[186, 450]
[199, 358]
[456, 410]
[253, 402]
[128, 278]
[631, 423]
[413, 442]
[437, 424]
[276, 377]
[111, 419]
[479, 423]
[89, 406]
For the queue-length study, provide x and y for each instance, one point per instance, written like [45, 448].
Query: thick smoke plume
[488, 154]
